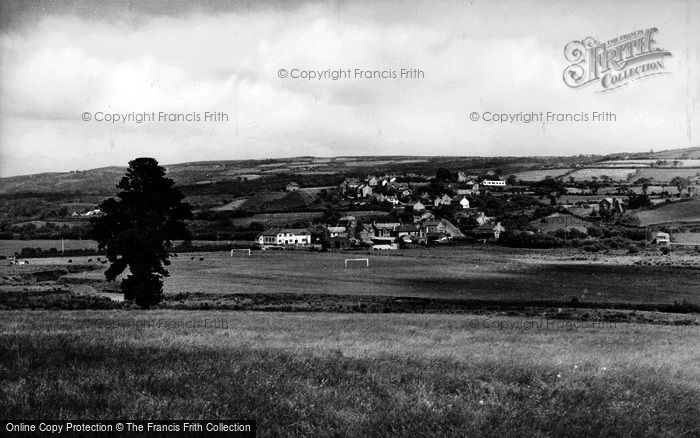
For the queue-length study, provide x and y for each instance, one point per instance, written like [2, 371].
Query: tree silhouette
[137, 230]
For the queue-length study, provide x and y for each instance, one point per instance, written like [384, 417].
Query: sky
[62, 59]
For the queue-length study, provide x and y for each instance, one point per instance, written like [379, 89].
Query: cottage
[336, 238]
[471, 188]
[474, 213]
[488, 231]
[409, 232]
[442, 200]
[464, 202]
[364, 191]
[372, 181]
[662, 239]
[286, 236]
[349, 186]
[347, 221]
[433, 226]
[611, 206]
[364, 233]
[427, 216]
[385, 229]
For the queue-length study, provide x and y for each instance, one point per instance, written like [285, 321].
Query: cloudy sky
[61, 59]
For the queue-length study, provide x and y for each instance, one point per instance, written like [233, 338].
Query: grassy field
[615, 174]
[353, 375]
[539, 175]
[677, 212]
[466, 273]
[9, 247]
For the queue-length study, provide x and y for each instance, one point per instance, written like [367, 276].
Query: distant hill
[216, 177]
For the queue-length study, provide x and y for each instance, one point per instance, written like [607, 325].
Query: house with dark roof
[336, 238]
[387, 229]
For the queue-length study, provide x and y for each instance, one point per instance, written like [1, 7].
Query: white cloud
[497, 58]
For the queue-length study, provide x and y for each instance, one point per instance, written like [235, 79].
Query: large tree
[138, 227]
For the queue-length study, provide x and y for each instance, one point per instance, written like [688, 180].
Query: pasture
[9, 247]
[353, 375]
[539, 175]
[466, 273]
[672, 213]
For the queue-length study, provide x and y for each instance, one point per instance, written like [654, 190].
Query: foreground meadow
[321, 374]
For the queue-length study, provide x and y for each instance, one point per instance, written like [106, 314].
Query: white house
[663, 239]
[286, 236]
[464, 203]
[493, 182]
[364, 191]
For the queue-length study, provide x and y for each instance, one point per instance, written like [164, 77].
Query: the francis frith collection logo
[614, 63]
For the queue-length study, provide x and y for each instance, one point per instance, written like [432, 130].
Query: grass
[454, 273]
[9, 247]
[676, 212]
[356, 375]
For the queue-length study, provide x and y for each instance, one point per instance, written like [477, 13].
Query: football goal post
[244, 250]
[366, 261]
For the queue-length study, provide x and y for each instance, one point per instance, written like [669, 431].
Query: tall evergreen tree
[137, 230]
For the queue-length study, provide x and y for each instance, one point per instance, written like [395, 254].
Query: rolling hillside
[679, 212]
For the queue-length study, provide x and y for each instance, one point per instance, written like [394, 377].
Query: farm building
[285, 236]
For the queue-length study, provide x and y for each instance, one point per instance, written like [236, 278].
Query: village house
[489, 231]
[364, 233]
[427, 216]
[285, 236]
[442, 200]
[611, 206]
[336, 238]
[464, 202]
[347, 221]
[372, 181]
[409, 232]
[474, 213]
[364, 191]
[471, 188]
[349, 187]
[662, 239]
[387, 229]
[493, 183]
